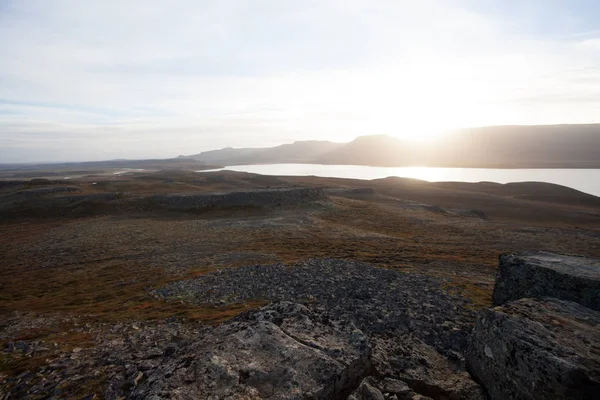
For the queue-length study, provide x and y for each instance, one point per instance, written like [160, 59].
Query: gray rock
[396, 387]
[366, 391]
[372, 388]
[409, 361]
[537, 349]
[377, 300]
[283, 351]
[542, 274]
[319, 350]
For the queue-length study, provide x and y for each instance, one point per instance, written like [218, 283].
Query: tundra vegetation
[100, 270]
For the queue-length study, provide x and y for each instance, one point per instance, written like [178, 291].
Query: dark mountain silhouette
[297, 152]
[520, 146]
[544, 146]
[377, 150]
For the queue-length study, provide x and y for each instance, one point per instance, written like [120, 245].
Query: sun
[421, 102]
[428, 100]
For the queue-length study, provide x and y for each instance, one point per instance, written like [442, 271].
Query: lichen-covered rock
[541, 274]
[283, 351]
[537, 349]
[412, 362]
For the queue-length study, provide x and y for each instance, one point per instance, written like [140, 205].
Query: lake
[585, 180]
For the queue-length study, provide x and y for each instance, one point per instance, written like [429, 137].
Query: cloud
[156, 78]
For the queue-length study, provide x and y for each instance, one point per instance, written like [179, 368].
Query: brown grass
[103, 293]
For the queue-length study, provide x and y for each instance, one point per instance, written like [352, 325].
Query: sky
[96, 80]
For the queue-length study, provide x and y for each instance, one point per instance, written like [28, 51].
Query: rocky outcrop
[289, 351]
[283, 351]
[254, 198]
[424, 370]
[537, 349]
[542, 274]
[29, 193]
[416, 330]
[541, 342]
[401, 330]
[377, 300]
[33, 197]
[47, 202]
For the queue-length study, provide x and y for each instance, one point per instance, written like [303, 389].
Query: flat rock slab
[537, 349]
[542, 274]
[283, 351]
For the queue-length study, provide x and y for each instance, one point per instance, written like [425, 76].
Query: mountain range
[542, 146]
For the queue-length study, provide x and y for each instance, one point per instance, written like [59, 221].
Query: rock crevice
[541, 341]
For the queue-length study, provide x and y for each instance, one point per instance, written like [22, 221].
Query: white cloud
[591, 44]
[165, 78]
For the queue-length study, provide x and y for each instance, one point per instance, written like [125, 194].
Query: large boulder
[537, 349]
[282, 351]
[541, 274]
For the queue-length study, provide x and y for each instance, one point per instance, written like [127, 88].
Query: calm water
[585, 180]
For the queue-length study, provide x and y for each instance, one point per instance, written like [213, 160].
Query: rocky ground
[113, 302]
[256, 355]
[405, 319]
[376, 300]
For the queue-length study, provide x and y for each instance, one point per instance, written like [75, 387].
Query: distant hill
[544, 146]
[298, 152]
[559, 146]
[378, 150]
[91, 167]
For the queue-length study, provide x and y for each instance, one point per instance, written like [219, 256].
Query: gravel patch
[377, 300]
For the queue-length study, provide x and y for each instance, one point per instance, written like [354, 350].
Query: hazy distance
[156, 79]
[551, 146]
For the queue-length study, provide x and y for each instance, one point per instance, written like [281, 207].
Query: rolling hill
[544, 146]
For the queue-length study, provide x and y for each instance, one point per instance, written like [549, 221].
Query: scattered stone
[541, 274]
[372, 388]
[377, 300]
[138, 378]
[537, 349]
